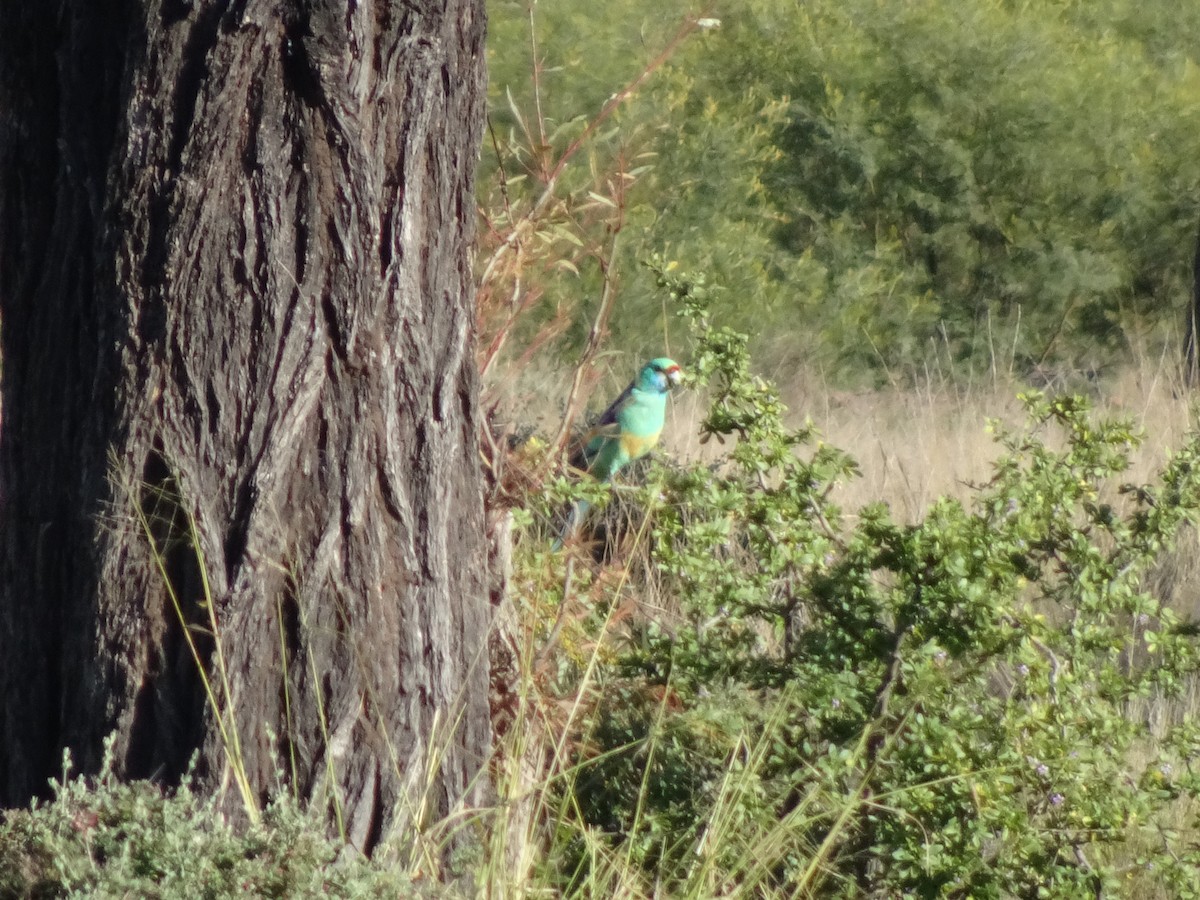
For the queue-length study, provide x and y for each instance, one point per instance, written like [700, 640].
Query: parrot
[626, 431]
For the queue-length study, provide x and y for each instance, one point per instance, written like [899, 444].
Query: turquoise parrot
[627, 430]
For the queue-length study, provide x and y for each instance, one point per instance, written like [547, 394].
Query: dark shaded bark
[236, 302]
[1191, 366]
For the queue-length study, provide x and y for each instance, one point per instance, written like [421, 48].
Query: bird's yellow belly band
[635, 445]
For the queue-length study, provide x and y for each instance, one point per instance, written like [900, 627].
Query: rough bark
[236, 304]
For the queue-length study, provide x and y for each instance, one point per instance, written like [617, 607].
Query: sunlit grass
[915, 444]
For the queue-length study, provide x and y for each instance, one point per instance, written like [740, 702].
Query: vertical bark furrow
[54, 146]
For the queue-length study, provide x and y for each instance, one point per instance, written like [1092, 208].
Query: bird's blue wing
[599, 431]
[609, 416]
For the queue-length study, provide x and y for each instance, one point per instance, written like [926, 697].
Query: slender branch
[599, 324]
[689, 25]
[537, 79]
[559, 620]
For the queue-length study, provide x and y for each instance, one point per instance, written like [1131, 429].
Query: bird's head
[659, 375]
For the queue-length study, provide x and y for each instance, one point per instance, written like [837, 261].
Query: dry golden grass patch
[917, 443]
[914, 443]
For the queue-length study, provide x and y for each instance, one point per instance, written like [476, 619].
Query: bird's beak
[674, 374]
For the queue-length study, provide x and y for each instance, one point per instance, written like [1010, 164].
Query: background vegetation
[870, 180]
[980, 679]
[935, 638]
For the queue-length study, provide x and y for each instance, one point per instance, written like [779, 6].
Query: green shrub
[833, 702]
[102, 838]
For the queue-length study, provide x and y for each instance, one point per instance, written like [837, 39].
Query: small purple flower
[1166, 770]
[1056, 799]
[1042, 769]
[836, 703]
[1142, 618]
[1022, 670]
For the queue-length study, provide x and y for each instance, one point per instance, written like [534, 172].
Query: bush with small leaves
[825, 701]
[103, 838]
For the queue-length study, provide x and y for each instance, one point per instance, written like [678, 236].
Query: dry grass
[913, 443]
[920, 442]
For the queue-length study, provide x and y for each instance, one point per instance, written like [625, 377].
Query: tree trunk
[239, 392]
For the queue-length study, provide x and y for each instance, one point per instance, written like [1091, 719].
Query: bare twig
[550, 179]
[598, 330]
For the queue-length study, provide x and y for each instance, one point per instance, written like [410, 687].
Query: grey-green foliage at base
[102, 838]
[875, 181]
[844, 703]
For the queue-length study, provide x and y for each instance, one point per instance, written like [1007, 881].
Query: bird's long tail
[575, 516]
